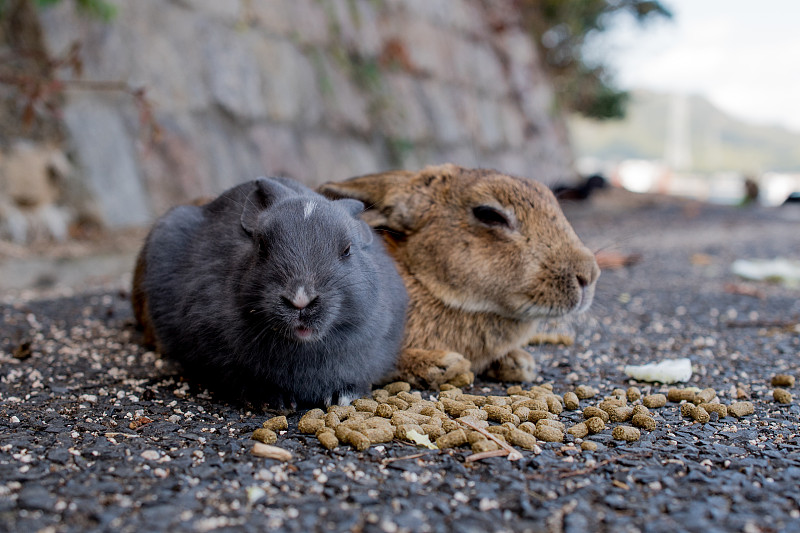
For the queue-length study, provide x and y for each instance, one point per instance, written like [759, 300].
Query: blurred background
[112, 111]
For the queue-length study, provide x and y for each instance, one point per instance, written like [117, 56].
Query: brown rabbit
[485, 258]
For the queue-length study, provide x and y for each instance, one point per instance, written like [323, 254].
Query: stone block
[490, 126]
[233, 73]
[228, 11]
[346, 106]
[513, 123]
[476, 64]
[291, 90]
[447, 110]
[280, 151]
[106, 155]
[404, 118]
[332, 159]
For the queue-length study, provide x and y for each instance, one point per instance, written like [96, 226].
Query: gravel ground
[97, 434]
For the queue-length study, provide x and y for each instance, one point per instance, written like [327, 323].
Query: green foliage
[96, 8]
[561, 28]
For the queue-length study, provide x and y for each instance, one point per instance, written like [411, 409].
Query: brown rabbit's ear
[385, 197]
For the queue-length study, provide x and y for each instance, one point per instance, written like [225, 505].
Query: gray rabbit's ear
[356, 209]
[265, 192]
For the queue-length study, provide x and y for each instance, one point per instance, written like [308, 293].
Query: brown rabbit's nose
[587, 272]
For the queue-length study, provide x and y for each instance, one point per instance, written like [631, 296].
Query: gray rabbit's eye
[346, 251]
[490, 216]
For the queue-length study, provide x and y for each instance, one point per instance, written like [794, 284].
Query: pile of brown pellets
[493, 425]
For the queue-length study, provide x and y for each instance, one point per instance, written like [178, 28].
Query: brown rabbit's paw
[431, 367]
[517, 365]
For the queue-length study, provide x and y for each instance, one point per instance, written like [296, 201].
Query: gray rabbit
[272, 294]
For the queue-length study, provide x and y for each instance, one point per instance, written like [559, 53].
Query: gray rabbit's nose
[301, 298]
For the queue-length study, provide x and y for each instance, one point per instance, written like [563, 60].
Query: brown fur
[475, 289]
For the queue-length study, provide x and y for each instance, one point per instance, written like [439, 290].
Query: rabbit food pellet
[705, 396]
[584, 392]
[265, 435]
[592, 411]
[721, 410]
[571, 401]
[633, 394]
[699, 414]
[739, 409]
[782, 380]
[548, 434]
[595, 424]
[782, 395]
[452, 440]
[276, 423]
[654, 401]
[588, 446]
[524, 440]
[644, 421]
[677, 395]
[579, 430]
[626, 433]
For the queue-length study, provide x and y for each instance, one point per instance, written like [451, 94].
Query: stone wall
[315, 89]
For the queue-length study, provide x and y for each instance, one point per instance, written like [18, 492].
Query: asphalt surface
[97, 434]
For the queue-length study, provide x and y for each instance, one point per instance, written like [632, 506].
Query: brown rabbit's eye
[346, 251]
[490, 216]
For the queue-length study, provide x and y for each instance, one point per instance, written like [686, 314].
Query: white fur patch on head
[309, 208]
[300, 299]
[346, 399]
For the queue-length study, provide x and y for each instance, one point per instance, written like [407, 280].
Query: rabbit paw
[430, 368]
[517, 365]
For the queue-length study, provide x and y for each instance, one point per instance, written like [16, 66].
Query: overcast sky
[743, 55]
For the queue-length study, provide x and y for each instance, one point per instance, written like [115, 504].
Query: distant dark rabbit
[272, 294]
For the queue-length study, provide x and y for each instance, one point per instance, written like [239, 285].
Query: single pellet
[782, 395]
[380, 395]
[522, 412]
[554, 404]
[514, 389]
[526, 441]
[446, 386]
[332, 419]
[385, 410]
[721, 410]
[633, 394]
[496, 412]
[654, 401]
[410, 397]
[265, 435]
[502, 401]
[432, 430]
[644, 421]
[538, 414]
[626, 433]
[699, 414]
[484, 445]
[327, 437]
[571, 401]
[454, 407]
[782, 380]
[595, 424]
[399, 403]
[549, 434]
[462, 380]
[609, 404]
[584, 392]
[377, 435]
[480, 414]
[588, 446]
[451, 394]
[705, 396]
[739, 409]
[528, 427]
[452, 439]
[579, 430]
[592, 411]
[450, 425]
[618, 393]
[621, 414]
[365, 405]
[357, 440]
[342, 411]
[686, 409]
[401, 431]
[641, 410]
[676, 395]
[397, 386]
[497, 430]
[311, 422]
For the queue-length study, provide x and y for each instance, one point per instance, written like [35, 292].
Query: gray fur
[220, 278]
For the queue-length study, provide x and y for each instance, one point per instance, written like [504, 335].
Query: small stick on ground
[513, 455]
